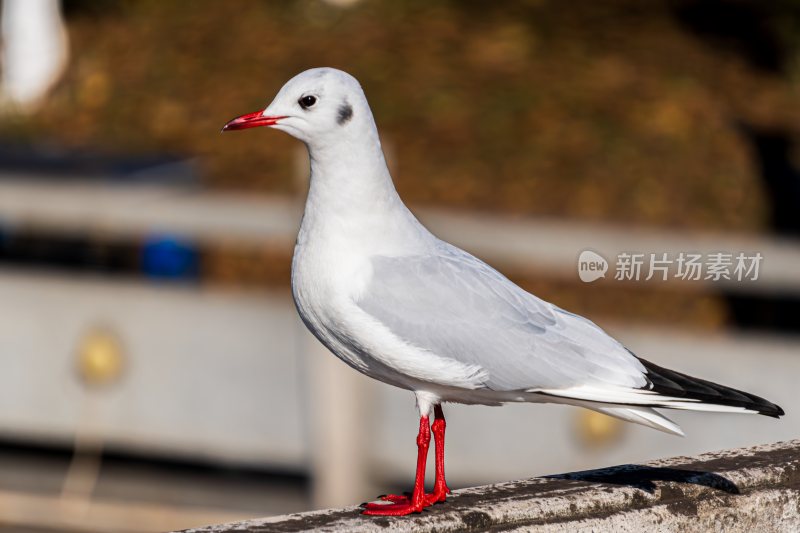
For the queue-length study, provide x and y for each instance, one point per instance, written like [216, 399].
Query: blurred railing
[549, 246]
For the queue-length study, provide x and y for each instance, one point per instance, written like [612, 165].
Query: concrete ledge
[749, 489]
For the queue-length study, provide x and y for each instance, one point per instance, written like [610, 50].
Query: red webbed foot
[396, 498]
[393, 509]
[408, 503]
[399, 501]
[428, 499]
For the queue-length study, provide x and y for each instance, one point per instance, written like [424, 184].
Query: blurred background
[153, 372]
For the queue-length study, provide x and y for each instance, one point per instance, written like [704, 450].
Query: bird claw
[436, 497]
[392, 509]
[401, 504]
[396, 498]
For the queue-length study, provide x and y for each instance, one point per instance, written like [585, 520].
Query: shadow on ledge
[644, 477]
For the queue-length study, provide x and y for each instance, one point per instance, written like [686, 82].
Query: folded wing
[455, 306]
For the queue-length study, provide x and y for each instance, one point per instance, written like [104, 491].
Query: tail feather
[644, 416]
[664, 388]
[674, 384]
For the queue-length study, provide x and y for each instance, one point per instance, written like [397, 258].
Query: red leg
[417, 501]
[440, 489]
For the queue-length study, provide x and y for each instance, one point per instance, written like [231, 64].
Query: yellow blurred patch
[100, 357]
[595, 429]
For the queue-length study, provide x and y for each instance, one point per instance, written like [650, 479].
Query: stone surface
[749, 489]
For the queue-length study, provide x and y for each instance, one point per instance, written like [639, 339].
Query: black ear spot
[345, 114]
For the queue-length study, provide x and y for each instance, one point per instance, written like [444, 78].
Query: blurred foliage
[597, 110]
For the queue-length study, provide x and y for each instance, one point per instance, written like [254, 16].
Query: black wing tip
[669, 382]
[776, 412]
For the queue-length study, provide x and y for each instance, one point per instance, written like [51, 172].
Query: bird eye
[307, 101]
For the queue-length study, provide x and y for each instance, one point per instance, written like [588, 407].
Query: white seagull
[404, 307]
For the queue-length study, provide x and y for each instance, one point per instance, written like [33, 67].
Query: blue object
[170, 257]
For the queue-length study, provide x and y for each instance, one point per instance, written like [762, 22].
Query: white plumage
[398, 304]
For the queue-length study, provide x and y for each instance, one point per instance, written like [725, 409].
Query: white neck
[351, 196]
[350, 176]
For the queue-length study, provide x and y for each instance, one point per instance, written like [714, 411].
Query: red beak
[250, 120]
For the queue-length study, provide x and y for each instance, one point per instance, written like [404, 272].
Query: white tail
[644, 416]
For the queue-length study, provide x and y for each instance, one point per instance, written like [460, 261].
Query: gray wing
[456, 306]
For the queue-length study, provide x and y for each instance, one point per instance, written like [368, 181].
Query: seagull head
[319, 105]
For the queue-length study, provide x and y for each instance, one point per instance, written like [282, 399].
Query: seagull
[398, 304]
